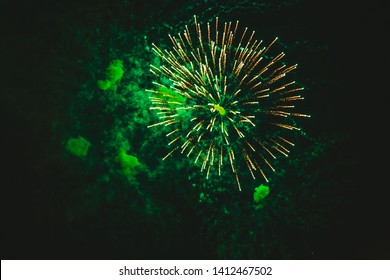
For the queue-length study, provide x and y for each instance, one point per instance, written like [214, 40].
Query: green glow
[220, 110]
[78, 146]
[260, 193]
[127, 162]
[114, 74]
[104, 84]
[115, 71]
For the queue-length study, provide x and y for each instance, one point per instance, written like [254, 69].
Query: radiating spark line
[266, 161]
[261, 171]
[172, 132]
[280, 145]
[286, 126]
[285, 140]
[197, 157]
[170, 153]
[174, 140]
[238, 182]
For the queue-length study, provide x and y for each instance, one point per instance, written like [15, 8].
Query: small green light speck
[220, 110]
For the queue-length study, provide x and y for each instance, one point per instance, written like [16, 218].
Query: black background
[33, 226]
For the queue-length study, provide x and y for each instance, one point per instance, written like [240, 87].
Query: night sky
[346, 98]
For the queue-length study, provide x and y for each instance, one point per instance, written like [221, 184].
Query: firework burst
[225, 100]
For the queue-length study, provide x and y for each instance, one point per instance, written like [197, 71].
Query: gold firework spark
[224, 99]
